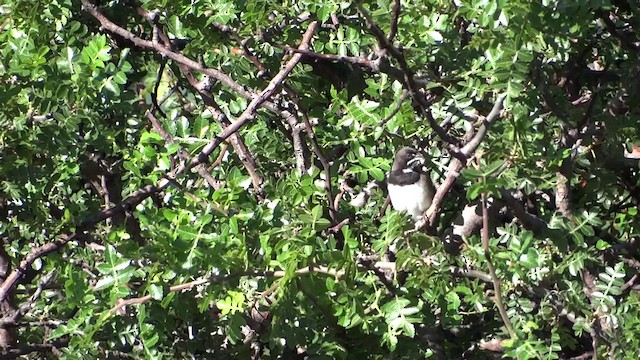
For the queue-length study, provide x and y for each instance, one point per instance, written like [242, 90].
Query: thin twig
[409, 80]
[401, 99]
[165, 51]
[226, 277]
[248, 114]
[469, 148]
[154, 94]
[298, 145]
[361, 61]
[183, 154]
[326, 166]
[376, 65]
[247, 159]
[27, 348]
[626, 39]
[395, 15]
[243, 44]
[492, 270]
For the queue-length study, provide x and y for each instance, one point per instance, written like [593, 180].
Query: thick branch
[456, 165]
[28, 305]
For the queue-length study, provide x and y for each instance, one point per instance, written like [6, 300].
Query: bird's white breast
[414, 198]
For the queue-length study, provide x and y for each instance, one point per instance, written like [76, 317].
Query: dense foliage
[205, 179]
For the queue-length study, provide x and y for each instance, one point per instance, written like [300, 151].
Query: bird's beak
[418, 160]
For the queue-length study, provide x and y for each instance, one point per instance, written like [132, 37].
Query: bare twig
[492, 270]
[156, 87]
[80, 234]
[529, 221]
[243, 44]
[588, 280]
[183, 154]
[361, 199]
[626, 39]
[25, 349]
[247, 115]
[326, 166]
[312, 269]
[225, 277]
[492, 345]
[298, 145]
[455, 271]
[236, 141]
[627, 91]
[401, 99]
[177, 57]
[361, 61]
[337, 227]
[108, 25]
[376, 65]
[470, 147]
[169, 94]
[629, 284]
[219, 159]
[471, 274]
[584, 356]
[395, 15]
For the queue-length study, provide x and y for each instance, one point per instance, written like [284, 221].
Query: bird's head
[408, 159]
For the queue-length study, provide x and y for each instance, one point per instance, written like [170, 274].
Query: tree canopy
[206, 179]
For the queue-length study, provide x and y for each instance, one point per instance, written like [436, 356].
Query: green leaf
[156, 291]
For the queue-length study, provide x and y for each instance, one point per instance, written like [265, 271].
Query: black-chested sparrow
[410, 186]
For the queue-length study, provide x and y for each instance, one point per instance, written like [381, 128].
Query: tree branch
[140, 195]
[28, 305]
[492, 270]
[225, 277]
[182, 153]
[247, 159]
[395, 15]
[409, 80]
[456, 165]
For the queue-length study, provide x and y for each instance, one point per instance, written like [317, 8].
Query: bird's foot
[422, 222]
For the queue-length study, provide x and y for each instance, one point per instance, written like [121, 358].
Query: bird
[409, 184]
